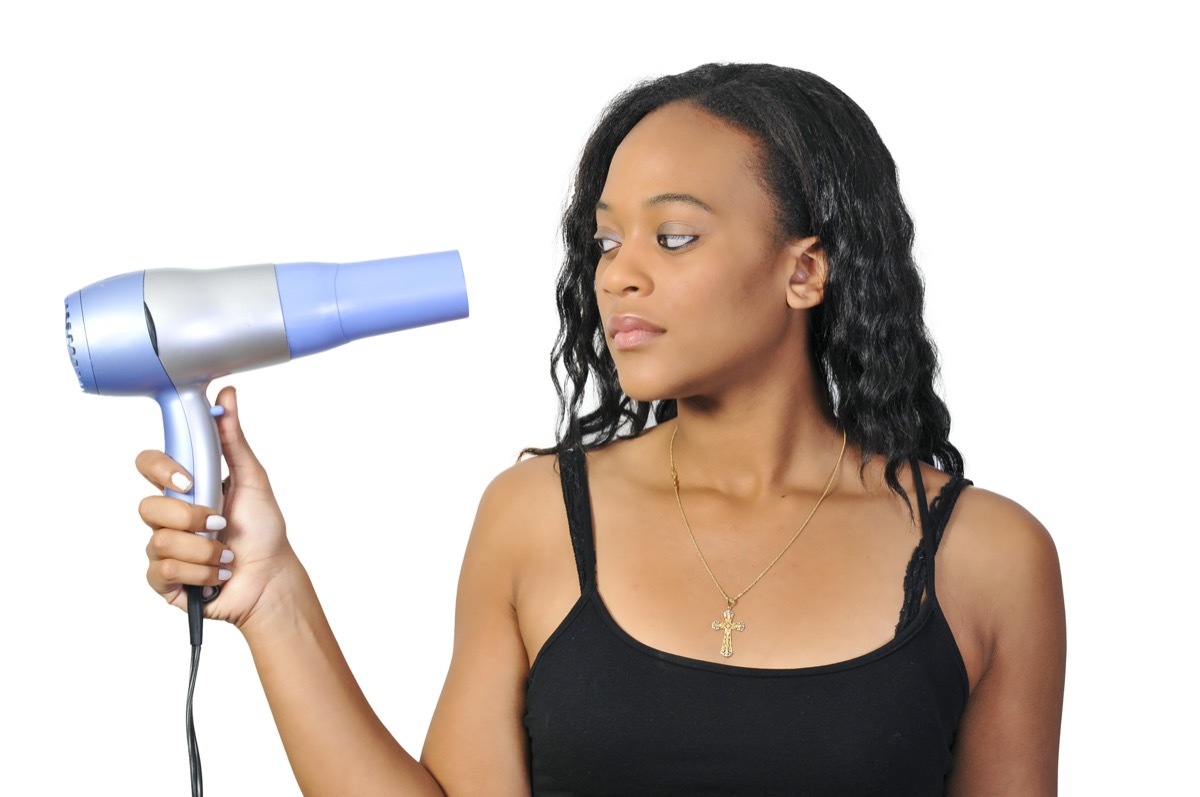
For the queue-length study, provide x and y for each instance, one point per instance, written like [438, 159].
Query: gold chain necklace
[727, 624]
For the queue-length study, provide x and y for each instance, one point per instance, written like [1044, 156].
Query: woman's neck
[752, 442]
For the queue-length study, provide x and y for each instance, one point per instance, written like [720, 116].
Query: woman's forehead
[680, 149]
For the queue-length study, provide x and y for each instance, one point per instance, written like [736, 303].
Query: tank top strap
[572, 471]
[920, 577]
[942, 507]
[923, 509]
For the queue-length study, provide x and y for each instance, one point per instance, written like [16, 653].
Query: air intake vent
[74, 354]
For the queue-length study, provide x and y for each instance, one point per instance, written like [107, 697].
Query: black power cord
[195, 603]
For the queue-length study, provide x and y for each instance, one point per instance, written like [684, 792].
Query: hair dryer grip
[192, 441]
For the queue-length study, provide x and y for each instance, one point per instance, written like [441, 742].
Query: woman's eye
[674, 242]
[606, 245]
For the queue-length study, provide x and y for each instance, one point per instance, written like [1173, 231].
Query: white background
[1048, 154]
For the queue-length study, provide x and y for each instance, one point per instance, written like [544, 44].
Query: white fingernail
[226, 556]
[182, 483]
[223, 574]
[214, 523]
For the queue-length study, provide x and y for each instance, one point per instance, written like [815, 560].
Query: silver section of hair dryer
[222, 321]
[209, 324]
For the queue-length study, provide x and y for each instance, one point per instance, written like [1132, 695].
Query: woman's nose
[624, 271]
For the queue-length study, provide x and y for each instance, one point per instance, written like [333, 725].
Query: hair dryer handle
[192, 441]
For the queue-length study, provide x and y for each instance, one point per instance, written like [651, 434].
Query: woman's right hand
[255, 551]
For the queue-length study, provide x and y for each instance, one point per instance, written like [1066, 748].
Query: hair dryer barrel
[325, 305]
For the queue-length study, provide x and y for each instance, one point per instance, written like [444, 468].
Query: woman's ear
[808, 270]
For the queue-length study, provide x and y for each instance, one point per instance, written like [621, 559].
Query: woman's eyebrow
[665, 199]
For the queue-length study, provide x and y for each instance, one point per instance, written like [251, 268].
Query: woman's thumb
[243, 465]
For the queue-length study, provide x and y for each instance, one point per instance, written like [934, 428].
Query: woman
[753, 593]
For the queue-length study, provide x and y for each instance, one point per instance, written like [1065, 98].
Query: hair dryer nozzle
[326, 305]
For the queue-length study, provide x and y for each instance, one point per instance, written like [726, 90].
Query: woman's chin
[644, 390]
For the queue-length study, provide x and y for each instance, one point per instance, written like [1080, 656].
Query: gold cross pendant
[728, 626]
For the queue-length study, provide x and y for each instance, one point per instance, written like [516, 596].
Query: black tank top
[607, 715]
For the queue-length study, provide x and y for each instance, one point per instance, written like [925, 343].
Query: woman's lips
[631, 331]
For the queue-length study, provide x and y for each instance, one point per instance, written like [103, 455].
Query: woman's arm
[334, 741]
[476, 742]
[999, 583]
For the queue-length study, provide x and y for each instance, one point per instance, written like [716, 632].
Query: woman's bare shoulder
[998, 544]
[1000, 587]
[531, 477]
[999, 582]
[531, 489]
[522, 501]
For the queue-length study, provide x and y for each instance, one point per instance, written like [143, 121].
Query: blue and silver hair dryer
[167, 333]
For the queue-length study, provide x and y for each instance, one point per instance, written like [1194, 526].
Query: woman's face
[692, 283]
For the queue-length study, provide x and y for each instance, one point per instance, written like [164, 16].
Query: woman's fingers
[180, 557]
[163, 472]
[167, 575]
[177, 555]
[159, 512]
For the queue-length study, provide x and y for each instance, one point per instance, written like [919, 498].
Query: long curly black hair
[830, 176]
